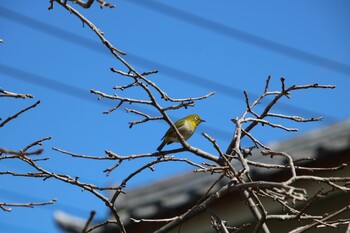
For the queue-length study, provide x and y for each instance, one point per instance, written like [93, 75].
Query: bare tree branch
[320, 221]
[17, 114]
[4, 93]
[91, 217]
[285, 193]
[6, 206]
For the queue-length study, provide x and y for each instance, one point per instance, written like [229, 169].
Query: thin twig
[5, 206]
[91, 217]
[309, 226]
[19, 113]
[83, 156]
[153, 220]
[4, 93]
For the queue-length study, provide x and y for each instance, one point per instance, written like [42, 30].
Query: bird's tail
[160, 147]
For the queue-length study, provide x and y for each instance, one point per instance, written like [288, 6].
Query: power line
[83, 94]
[242, 36]
[232, 92]
[187, 77]
[53, 85]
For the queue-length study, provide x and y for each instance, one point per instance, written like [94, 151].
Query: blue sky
[197, 46]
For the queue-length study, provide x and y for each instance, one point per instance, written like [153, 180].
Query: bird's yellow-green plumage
[186, 126]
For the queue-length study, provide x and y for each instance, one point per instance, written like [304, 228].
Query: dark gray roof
[333, 137]
[151, 200]
[170, 193]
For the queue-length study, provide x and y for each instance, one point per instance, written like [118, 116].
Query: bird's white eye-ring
[196, 118]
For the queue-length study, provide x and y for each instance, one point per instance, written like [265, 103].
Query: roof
[162, 198]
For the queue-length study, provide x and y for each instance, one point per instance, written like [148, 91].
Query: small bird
[186, 126]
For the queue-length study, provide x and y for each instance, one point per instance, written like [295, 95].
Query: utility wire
[242, 36]
[83, 94]
[229, 91]
[187, 77]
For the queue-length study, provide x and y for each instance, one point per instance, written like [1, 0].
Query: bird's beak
[202, 120]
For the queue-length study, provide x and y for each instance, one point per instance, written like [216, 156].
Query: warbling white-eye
[186, 126]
